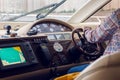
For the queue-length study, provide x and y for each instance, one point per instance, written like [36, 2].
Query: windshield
[31, 10]
[27, 10]
[19, 13]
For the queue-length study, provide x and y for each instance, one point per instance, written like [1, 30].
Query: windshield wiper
[54, 6]
[39, 16]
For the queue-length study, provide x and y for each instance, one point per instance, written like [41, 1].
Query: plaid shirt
[109, 30]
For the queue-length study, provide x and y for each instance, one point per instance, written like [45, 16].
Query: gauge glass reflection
[59, 36]
[51, 37]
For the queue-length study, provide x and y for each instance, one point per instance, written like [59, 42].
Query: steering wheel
[90, 51]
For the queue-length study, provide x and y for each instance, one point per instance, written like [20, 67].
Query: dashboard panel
[59, 36]
[50, 46]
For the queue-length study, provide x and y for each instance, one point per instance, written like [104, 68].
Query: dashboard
[49, 50]
[59, 36]
[50, 46]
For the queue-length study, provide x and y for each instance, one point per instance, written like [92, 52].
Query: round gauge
[58, 47]
[52, 25]
[39, 30]
[34, 28]
[45, 25]
[37, 26]
[51, 29]
[62, 29]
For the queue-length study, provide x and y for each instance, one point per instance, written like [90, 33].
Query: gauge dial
[58, 47]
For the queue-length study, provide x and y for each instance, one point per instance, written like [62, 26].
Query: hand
[87, 28]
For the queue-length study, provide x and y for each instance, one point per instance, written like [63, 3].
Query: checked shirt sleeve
[106, 30]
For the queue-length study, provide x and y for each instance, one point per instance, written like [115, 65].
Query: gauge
[59, 28]
[51, 37]
[52, 25]
[62, 29]
[67, 36]
[37, 26]
[44, 28]
[39, 30]
[51, 29]
[60, 37]
[34, 29]
[45, 25]
[58, 47]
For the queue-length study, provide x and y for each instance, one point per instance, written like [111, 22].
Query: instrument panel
[54, 29]
[60, 36]
[50, 49]
[49, 27]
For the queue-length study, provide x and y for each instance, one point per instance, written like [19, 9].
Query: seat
[107, 67]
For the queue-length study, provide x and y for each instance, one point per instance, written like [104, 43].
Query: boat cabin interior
[47, 48]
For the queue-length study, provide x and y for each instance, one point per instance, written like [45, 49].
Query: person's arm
[106, 30]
